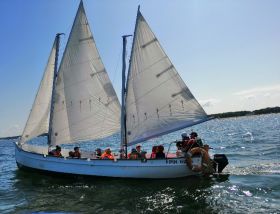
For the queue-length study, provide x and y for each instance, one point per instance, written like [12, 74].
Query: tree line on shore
[9, 138]
[247, 113]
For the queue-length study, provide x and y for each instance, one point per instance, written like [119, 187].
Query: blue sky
[228, 52]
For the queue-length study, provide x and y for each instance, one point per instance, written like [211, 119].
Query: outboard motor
[220, 162]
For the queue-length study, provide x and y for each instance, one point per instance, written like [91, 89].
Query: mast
[124, 85]
[123, 113]
[57, 38]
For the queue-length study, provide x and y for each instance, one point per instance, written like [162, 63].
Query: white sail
[86, 106]
[158, 101]
[38, 120]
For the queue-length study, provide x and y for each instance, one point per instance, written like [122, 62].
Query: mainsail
[38, 120]
[86, 105]
[157, 101]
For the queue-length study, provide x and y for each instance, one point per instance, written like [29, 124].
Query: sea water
[249, 184]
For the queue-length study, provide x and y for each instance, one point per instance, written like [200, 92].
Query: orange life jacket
[107, 156]
[133, 156]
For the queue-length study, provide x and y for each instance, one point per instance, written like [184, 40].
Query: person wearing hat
[133, 155]
[138, 148]
[193, 142]
[185, 141]
[98, 153]
[76, 153]
[184, 136]
[56, 152]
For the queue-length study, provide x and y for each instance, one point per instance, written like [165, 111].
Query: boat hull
[161, 168]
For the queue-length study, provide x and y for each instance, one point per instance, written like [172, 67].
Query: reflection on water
[85, 194]
[253, 185]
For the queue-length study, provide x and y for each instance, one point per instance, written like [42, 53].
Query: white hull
[161, 168]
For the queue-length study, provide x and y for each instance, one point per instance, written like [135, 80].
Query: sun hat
[133, 150]
[184, 134]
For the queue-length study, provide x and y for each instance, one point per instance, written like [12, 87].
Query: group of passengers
[192, 145]
[188, 142]
[107, 154]
[157, 152]
[183, 147]
[56, 152]
[137, 153]
[72, 154]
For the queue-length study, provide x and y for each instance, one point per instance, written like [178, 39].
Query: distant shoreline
[269, 110]
[9, 138]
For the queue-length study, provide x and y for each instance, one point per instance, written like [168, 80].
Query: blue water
[250, 184]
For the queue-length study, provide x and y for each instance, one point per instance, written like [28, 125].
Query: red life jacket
[153, 155]
[133, 156]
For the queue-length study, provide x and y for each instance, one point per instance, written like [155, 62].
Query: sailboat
[78, 103]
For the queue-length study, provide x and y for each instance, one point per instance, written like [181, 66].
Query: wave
[254, 169]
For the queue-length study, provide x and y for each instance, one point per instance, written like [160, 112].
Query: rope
[117, 65]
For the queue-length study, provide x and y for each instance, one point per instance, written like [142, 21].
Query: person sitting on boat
[179, 152]
[98, 153]
[160, 154]
[193, 142]
[154, 152]
[122, 154]
[56, 152]
[195, 137]
[185, 140]
[198, 140]
[139, 151]
[136, 153]
[76, 153]
[185, 137]
[143, 155]
[133, 155]
[107, 154]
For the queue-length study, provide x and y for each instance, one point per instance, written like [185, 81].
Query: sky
[227, 52]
